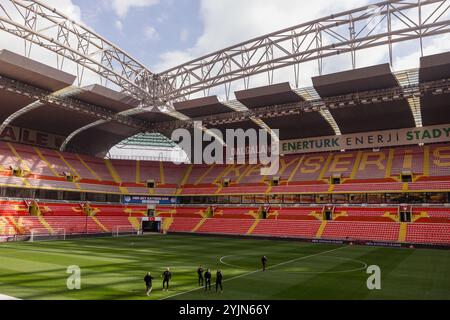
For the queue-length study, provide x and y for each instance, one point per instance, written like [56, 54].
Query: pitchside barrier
[370, 243]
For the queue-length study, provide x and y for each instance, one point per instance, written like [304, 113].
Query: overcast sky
[165, 33]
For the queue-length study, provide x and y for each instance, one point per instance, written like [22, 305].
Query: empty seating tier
[358, 230]
[226, 226]
[287, 228]
[431, 233]
[373, 172]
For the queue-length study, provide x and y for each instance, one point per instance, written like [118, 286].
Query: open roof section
[365, 117]
[34, 73]
[107, 98]
[435, 108]
[202, 107]
[147, 139]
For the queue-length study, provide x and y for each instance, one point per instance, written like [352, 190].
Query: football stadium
[97, 192]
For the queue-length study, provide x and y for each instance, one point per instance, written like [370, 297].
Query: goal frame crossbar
[127, 230]
[45, 233]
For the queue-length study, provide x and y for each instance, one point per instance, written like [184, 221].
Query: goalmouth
[46, 235]
[125, 231]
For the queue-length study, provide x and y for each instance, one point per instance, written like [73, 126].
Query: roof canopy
[34, 73]
[360, 117]
[435, 108]
[207, 106]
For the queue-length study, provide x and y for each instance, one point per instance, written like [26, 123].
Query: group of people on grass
[166, 275]
[204, 278]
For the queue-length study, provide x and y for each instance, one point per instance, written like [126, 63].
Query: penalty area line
[256, 271]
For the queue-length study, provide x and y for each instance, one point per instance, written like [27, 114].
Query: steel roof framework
[406, 92]
[382, 24]
[44, 26]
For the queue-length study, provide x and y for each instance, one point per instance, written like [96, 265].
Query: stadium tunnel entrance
[151, 225]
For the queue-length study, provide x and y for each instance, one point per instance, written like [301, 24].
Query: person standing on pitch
[208, 280]
[148, 283]
[219, 278]
[200, 276]
[264, 262]
[166, 278]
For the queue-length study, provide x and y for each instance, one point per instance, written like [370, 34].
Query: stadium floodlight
[41, 234]
[125, 231]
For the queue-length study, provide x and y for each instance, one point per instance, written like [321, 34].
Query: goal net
[124, 231]
[46, 235]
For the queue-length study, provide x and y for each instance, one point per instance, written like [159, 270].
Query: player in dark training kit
[200, 276]
[207, 279]
[219, 278]
[166, 278]
[264, 262]
[148, 283]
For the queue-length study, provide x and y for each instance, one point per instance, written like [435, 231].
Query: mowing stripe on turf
[256, 271]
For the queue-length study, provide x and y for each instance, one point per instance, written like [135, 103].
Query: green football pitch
[114, 268]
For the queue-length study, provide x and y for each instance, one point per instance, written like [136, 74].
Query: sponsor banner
[327, 241]
[383, 244]
[369, 140]
[32, 137]
[149, 200]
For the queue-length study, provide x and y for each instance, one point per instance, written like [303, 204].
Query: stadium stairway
[21, 164]
[45, 224]
[161, 173]
[5, 227]
[321, 229]
[16, 224]
[101, 225]
[86, 166]
[402, 232]
[134, 222]
[199, 225]
[73, 171]
[50, 167]
[138, 172]
[167, 223]
[115, 176]
[253, 227]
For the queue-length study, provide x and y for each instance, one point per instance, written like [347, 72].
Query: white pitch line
[256, 271]
[228, 264]
[5, 297]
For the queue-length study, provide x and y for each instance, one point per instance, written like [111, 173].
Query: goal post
[123, 231]
[45, 234]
